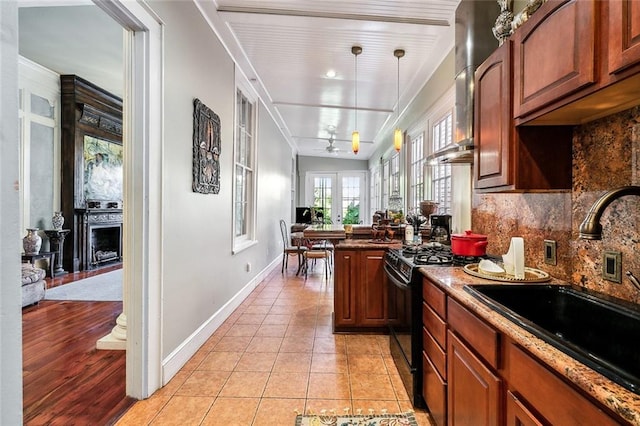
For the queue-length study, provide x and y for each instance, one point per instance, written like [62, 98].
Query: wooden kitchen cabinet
[494, 130]
[360, 290]
[474, 390]
[577, 61]
[555, 53]
[518, 414]
[509, 158]
[345, 285]
[434, 357]
[624, 35]
[488, 379]
[538, 390]
[371, 304]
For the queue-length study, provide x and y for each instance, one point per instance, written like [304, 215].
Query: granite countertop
[328, 232]
[366, 244]
[612, 395]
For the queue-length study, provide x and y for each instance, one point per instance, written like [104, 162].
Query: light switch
[612, 266]
[550, 257]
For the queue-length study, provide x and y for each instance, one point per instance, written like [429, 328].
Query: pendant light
[355, 136]
[397, 134]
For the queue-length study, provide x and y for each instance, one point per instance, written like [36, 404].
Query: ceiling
[292, 44]
[76, 39]
[285, 48]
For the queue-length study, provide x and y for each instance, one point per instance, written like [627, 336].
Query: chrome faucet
[590, 228]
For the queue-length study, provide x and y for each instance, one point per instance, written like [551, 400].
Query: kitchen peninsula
[360, 286]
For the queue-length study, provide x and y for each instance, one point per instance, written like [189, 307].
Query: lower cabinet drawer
[479, 335]
[554, 400]
[434, 352]
[434, 391]
[434, 324]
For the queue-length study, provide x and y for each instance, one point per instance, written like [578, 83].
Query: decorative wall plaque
[206, 149]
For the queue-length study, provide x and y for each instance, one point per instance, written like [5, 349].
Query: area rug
[334, 419]
[100, 288]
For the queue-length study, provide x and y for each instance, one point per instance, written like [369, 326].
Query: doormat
[334, 419]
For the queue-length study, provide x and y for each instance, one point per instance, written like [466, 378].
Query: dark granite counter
[610, 394]
[366, 244]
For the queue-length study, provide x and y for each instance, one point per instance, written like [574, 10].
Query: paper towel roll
[514, 258]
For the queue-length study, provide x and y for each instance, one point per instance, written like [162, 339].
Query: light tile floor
[276, 354]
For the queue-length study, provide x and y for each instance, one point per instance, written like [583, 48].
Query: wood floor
[66, 381]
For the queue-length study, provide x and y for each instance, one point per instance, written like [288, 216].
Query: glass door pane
[351, 199]
[339, 197]
[323, 198]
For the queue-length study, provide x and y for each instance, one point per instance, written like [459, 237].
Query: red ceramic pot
[469, 244]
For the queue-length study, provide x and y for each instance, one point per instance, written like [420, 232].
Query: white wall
[200, 272]
[10, 291]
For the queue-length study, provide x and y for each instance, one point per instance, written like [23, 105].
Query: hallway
[275, 354]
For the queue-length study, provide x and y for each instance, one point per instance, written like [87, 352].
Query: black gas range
[408, 258]
[405, 306]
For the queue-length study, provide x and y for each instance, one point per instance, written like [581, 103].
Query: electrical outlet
[550, 257]
[612, 266]
[248, 267]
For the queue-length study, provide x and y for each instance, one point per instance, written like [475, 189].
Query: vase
[502, 28]
[57, 220]
[32, 242]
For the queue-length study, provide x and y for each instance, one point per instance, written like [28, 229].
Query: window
[39, 113]
[244, 173]
[395, 173]
[385, 184]
[416, 170]
[442, 135]
[375, 189]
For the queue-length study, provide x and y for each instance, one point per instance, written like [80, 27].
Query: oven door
[404, 330]
[399, 296]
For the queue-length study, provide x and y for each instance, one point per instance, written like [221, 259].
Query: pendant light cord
[398, 53]
[398, 92]
[356, 74]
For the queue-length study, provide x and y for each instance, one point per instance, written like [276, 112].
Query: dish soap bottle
[408, 234]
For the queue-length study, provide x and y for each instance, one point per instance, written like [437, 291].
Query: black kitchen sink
[598, 330]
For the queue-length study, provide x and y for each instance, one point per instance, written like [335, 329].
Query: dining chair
[324, 245]
[288, 248]
[315, 254]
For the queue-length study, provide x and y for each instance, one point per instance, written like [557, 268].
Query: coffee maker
[441, 228]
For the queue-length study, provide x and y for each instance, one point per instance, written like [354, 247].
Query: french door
[339, 197]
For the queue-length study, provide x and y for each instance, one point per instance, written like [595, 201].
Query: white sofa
[33, 284]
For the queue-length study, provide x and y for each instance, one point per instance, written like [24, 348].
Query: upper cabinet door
[554, 54]
[493, 120]
[624, 34]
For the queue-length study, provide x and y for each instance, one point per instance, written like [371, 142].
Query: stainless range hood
[474, 42]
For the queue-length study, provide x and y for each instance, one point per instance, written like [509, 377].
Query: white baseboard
[183, 353]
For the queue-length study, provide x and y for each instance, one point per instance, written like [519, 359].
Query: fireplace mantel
[91, 151]
[100, 237]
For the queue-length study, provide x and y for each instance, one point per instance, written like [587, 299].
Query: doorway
[140, 32]
[338, 198]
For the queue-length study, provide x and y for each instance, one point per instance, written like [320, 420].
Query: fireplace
[100, 238]
[105, 245]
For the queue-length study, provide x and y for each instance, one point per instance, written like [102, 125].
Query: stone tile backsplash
[605, 156]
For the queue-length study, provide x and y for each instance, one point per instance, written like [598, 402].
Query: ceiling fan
[331, 148]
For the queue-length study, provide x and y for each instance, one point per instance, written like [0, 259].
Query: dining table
[314, 233]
